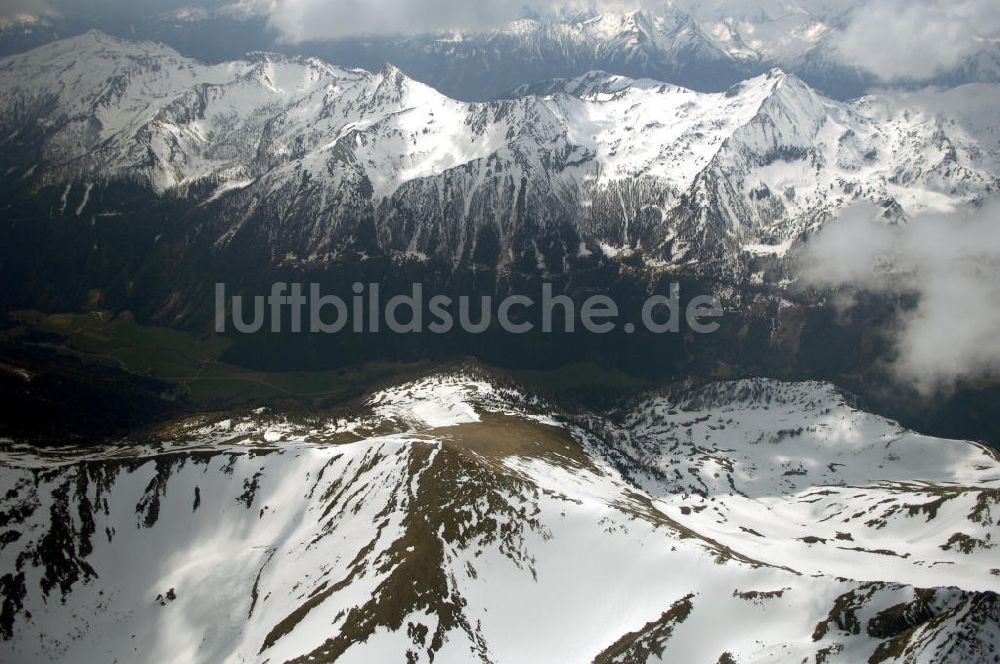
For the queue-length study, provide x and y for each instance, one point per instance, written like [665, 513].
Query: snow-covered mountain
[667, 45]
[457, 518]
[297, 154]
[700, 44]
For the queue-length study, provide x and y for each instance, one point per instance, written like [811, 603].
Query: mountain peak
[393, 81]
[775, 82]
[99, 38]
[596, 81]
[775, 73]
[612, 25]
[91, 45]
[791, 89]
[391, 71]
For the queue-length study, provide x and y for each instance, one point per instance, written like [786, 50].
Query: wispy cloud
[916, 39]
[99, 11]
[950, 263]
[304, 20]
[20, 10]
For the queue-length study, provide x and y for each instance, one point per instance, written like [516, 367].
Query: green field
[193, 365]
[190, 362]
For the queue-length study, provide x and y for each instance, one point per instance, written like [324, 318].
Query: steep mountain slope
[458, 519]
[299, 156]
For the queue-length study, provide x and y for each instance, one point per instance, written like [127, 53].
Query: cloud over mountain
[950, 263]
[900, 39]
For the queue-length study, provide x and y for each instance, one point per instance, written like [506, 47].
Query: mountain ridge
[342, 143]
[392, 527]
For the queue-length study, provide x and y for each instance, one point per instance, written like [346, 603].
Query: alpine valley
[153, 177]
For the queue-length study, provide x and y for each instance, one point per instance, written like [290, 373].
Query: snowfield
[457, 518]
[301, 145]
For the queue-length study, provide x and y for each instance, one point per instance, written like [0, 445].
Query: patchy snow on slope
[432, 402]
[793, 475]
[454, 518]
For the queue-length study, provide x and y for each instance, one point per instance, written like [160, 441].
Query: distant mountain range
[597, 165]
[703, 46]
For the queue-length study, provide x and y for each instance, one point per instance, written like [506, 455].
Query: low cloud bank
[950, 263]
[917, 39]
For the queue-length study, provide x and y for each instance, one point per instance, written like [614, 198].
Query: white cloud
[916, 39]
[18, 11]
[304, 20]
[951, 264]
[892, 38]
[98, 11]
